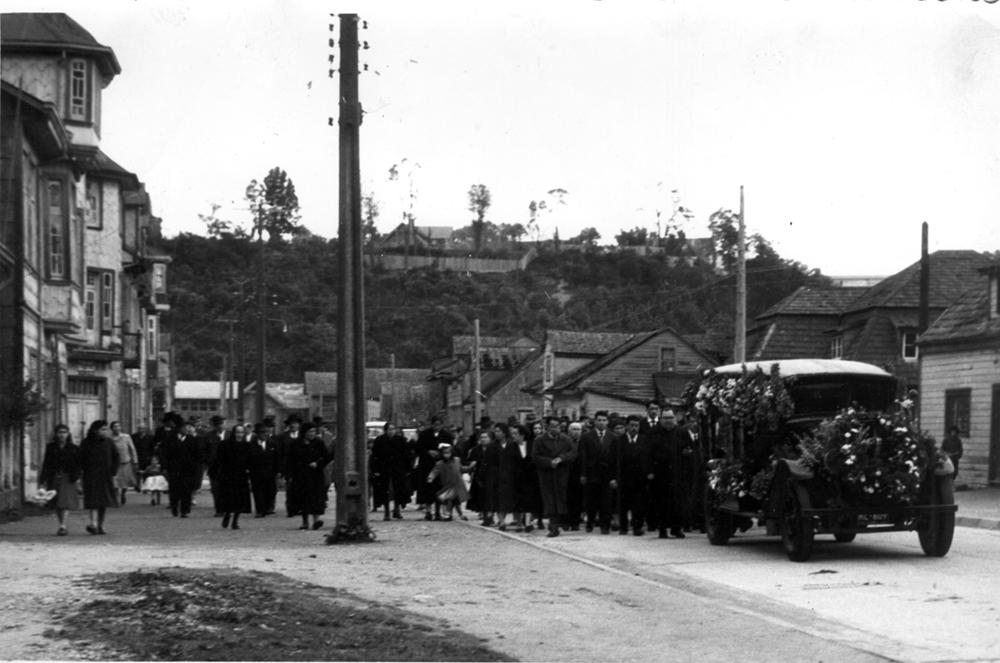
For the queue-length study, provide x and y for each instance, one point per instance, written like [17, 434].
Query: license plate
[873, 518]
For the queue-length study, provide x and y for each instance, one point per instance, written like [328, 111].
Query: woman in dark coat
[99, 463]
[60, 472]
[230, 471]
[481, 492]
[506, 461]
[305, 460]
[389, 464]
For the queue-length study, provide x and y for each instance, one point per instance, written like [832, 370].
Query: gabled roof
[464, 345]
[104, 166]
[55, 33]
[500, 379]
[808, 300]
[791, 337]
[952, 272]
[968, 319]
[437, 232]
[42, 124]
[585, 343]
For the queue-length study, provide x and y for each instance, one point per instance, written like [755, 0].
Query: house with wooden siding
[960, 378]
[568, 351]
[651, 365]
[402, 395]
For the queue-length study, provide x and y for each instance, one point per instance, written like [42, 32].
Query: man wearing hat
[428, 445]
[284, 442]
[181, 461]
[209, 446]
[263, 470]
[324, 434]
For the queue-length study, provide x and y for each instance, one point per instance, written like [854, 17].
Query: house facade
[82, 286]
[655, 365]
[960, 378]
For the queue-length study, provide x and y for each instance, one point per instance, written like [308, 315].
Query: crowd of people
[605, 473]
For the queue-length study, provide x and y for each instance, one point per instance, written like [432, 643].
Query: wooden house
[960, 378]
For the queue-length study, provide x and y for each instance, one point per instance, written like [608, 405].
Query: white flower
[849, 461]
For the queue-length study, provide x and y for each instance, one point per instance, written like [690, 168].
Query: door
[994, 472]
[81, 413]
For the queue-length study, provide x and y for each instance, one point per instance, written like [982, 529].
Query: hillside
[414, 314]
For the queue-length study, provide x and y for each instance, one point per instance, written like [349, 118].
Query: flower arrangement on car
[872, 457]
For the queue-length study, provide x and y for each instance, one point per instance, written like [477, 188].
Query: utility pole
[392, 388]
[740, 344]
[477, 408]
[261, 329]
[241, 371]
[352, 485]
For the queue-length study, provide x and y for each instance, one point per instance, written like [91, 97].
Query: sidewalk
[979, 507]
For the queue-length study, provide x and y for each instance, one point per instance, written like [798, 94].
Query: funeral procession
[499, 331]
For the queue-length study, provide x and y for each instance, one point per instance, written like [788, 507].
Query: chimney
[925, 282]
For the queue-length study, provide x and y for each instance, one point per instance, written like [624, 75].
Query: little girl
[155, 482]
[453, 492]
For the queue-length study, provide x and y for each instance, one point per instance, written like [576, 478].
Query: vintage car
[808, 447]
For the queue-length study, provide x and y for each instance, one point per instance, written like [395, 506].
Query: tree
[588, 236]
[369, 213]
[216, 227]
[635, 237]
[724, 225]
[479, 203]
[274, 205]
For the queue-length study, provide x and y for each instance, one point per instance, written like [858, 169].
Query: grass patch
[183, 614]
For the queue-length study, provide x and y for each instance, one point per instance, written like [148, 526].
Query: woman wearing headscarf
[60, 472]
[230, 471]
[99, 461]
[306, 457]
[389, 464]
[127, 460]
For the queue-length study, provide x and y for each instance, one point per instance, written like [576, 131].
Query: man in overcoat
[263, 470]
[210, 442]
[552, 453]
[181, 461]
[666, 491]
[428, 444]
[595, 446]
[282, 445]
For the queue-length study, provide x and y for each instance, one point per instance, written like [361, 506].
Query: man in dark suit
[181, 461]
[263, 470]
[209, 446]
[552, 453]
[282, 444]
[667, 449]
[595, 446]
[652, 417]
[628, 467]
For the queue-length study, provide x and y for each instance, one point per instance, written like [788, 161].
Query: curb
[978, 523]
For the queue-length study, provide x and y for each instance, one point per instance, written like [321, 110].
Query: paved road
[578, 597]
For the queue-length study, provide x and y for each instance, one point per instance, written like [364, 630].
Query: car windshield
[825, 395]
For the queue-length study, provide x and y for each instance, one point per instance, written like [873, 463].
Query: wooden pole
[740, 344]
[477, 410]
[352, 487]
[392, 388]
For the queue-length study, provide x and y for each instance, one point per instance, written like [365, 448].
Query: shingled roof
[814, 301]
[952, 272]
[967, 319]
[585, 343]
[54, 32]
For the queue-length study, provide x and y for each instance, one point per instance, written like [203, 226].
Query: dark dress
[230, 472]
[307, 485]
[60, 472]
[506, 472]
[99, 464]
[263, 474]
[389, 465]
[481, 492]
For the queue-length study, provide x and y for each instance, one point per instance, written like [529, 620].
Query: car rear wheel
[796, 530]
[936, 538]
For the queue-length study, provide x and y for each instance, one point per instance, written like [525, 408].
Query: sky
[847, 124]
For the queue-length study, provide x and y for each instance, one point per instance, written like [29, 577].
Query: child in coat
[453, 492]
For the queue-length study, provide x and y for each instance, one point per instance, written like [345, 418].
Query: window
[83, 387]
[107, 301]
[58, 235]
[159, 278]
[152, 349]
[31, 230]
[94, 211]
[956, 410]
[668, 360]
[837, 347]
[78, 90]
[90, 299]
[548, 369]
[910, 346]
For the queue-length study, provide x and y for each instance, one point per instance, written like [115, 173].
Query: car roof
[800, 367]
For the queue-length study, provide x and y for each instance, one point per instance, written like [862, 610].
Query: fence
[454, 263]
